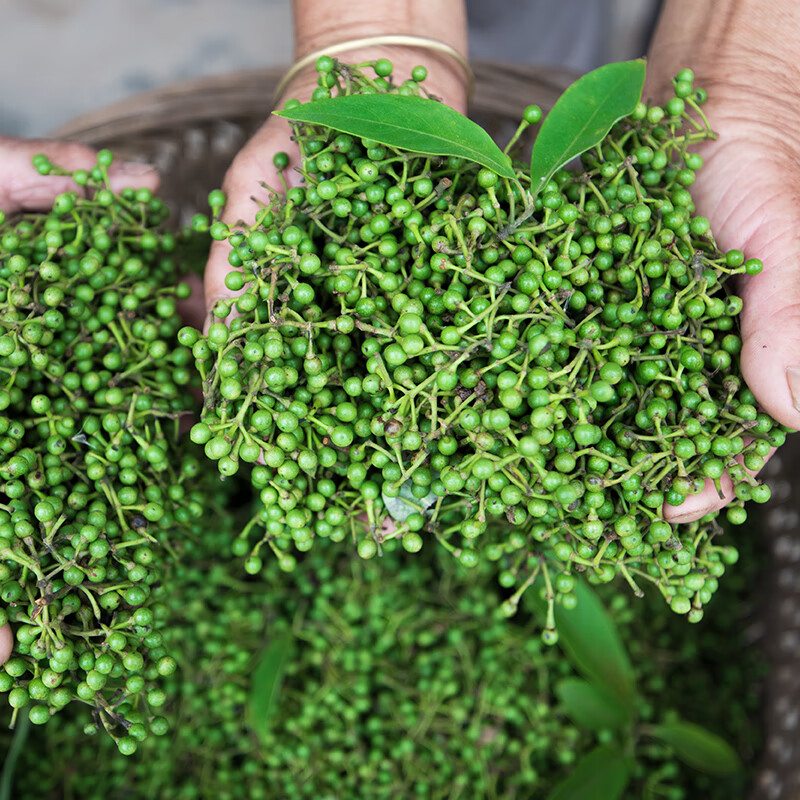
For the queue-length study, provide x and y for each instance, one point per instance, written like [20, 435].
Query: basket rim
[236, 94]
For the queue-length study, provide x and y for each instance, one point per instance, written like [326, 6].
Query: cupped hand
[749, 189]
[253, 168]
[22, 188]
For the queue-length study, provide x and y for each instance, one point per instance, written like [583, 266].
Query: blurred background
[63, 58]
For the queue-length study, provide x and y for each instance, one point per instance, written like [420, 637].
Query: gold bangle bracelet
[375, 41]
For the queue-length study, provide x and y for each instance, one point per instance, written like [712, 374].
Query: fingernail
[691, 517]
[134, 169]
[793, 379]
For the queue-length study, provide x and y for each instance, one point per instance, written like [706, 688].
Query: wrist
[321, 25]
[318, 25]
[449, 76]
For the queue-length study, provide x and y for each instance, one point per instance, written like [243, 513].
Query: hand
[253, 166]
[748, 188]
[315, 26]
[250, 171]
[22, 188]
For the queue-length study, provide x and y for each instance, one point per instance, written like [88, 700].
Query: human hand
[748, 187]
[22, 188]
[254, 169]
[317, 25]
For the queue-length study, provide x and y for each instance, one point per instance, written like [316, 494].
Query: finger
[698, 505]
[712, 498]
[22, 188]
[6, 643]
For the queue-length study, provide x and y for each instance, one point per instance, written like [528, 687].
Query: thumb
[22, 188]
[6, 643]
[770, 325]
[245, 187]
[770, 356]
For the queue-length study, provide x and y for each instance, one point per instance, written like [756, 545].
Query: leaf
[583, 115]
[592, 707]
[266, 683]
[409, 123]
[698, 747]
[400, 508]
[602, 774]
[591, 641]
[21, 730]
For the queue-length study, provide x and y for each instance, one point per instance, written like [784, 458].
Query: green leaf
[266, 682]
[592, 707]
[409, 123]
[400, 508]
[21, 730]
[583, 115]
[602, 774]
[591, 641]
[698, 747]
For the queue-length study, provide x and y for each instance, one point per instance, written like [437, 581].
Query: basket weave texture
[191, 131]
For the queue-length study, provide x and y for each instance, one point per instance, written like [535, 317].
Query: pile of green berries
[393, 686]
[98, 490]
[523, 380]
[402, 679]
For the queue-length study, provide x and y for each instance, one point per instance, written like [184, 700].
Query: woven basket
[191, 131]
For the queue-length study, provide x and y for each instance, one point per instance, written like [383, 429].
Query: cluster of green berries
[364, 708]
[98, 490]
[523, 379]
